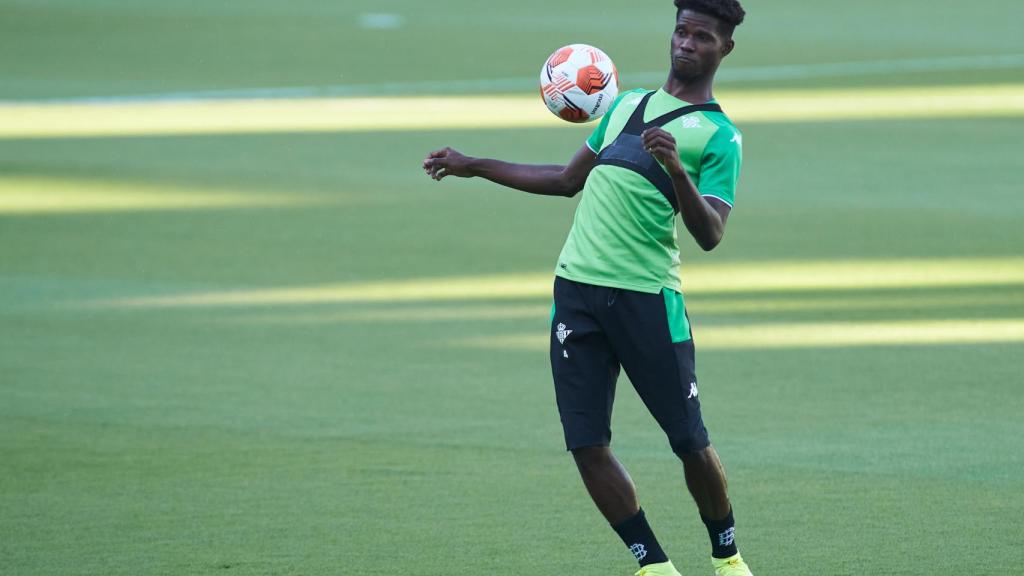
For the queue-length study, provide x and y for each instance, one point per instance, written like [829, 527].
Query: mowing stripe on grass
[717, 279]
[702, 305]
[30, 121]
[22, 196]
[810, 335]
[737, 75]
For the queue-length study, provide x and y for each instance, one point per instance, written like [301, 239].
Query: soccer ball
[579, 83]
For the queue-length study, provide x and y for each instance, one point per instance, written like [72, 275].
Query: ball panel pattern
[591, 80]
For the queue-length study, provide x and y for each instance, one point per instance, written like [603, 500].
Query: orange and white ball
[579, 83]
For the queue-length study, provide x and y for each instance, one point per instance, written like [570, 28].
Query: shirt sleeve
[720, 165]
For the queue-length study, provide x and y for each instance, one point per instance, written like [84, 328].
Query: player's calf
[705, 479]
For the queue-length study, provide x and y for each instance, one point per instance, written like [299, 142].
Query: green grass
[61, 48]
[307, 439]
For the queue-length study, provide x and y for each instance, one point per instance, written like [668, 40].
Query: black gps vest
[627, 151]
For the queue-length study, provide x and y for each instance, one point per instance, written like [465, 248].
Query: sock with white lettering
[723, 535]
[636, 533]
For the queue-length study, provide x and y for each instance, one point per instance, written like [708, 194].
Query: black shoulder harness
[627, 151]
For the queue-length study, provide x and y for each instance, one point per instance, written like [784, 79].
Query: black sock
[636, 533]
[723, 536]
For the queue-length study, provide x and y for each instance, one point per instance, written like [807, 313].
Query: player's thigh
[651, 338]
[583, 366]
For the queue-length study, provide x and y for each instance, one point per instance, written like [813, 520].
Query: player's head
[703, 35]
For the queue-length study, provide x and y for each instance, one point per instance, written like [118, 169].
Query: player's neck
[694, 91]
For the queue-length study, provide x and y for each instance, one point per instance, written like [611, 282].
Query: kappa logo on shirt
[737, 138]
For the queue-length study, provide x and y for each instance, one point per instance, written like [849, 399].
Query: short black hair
[728, 12]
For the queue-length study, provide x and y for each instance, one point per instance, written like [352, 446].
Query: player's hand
[662, 146]
[446, 162]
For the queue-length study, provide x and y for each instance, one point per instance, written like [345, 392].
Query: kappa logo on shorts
[693, 390]
[562, 333]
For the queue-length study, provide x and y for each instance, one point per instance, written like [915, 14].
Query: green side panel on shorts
[552, 319]
[675, 308]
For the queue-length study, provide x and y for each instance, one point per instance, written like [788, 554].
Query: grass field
[237, 339]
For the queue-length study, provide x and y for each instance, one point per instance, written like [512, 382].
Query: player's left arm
[704, 216]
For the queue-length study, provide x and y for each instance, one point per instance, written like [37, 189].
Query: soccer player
[618, 300]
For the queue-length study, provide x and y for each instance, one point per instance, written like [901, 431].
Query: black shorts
[594, 331]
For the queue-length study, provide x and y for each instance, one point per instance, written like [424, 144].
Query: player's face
[698, 46]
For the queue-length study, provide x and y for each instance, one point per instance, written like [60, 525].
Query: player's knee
[591, 457]
[693, 455]
[690, 447]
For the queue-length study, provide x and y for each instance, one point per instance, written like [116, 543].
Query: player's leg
[650, 334]
[585, 369]
[607, 482]
[706, 481]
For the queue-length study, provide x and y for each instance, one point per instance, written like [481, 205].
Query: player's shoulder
[721, 118]
[726, 134]
[626, 102]
[635, 92]
[631, 96]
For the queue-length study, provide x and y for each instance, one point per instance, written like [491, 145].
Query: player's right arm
[547, 180]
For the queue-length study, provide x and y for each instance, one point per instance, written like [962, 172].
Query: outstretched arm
[547, 180]
[704, 217]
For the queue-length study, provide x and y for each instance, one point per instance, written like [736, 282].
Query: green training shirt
[623, 234]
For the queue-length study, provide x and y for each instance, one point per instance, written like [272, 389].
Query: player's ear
[727, 47]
